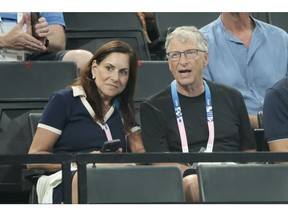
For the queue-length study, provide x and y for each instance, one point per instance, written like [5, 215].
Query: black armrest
[260, 119]
[30, 177]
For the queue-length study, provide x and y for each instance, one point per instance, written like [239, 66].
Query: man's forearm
[56, 37]
[253, 121]
[2, 42]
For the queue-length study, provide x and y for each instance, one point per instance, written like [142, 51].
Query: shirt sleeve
[275, 116]
[54, 116]
[54, 18]
[153, 129]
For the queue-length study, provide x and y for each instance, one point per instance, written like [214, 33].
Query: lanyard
[105, 127]
[107, 131]
[180, 120]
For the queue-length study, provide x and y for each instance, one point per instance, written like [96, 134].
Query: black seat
[134, 184]
[260, 139]
[153, 76]
[166, 20]
[243, 183]
[30, 177]
[263, 16]
[89, 31]
[34, 118]
[259, 133]
[279, 19]
[25, 87]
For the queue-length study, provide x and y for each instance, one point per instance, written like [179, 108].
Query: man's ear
[206, 57]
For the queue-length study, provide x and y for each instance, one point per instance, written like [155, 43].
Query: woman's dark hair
[125, 98]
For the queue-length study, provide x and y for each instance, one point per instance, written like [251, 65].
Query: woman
[97, 107]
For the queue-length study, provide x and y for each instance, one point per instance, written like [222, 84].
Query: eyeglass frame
[180, 53]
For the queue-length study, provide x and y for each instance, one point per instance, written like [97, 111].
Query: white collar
[78, 91]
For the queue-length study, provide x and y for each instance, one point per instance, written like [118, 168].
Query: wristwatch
[46, 43]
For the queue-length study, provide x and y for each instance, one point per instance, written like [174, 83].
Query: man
[248, 55]
[275, 116]
[17, 42]
[192, 113]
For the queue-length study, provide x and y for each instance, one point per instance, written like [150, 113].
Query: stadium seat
[26, 87]
[153, 76]
[89, 31]
[134, 184]
[243, 183]
[30, 177]
[259, 133]
[34, 118]
[279, 19]
[263, 16]
[166, 20]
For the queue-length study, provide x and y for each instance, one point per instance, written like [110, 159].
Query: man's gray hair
[184, 33]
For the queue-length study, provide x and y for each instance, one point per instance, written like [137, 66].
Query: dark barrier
[83, 159]
[65, 160]
[240, 157]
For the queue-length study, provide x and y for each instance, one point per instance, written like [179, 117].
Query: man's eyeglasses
[189, 54]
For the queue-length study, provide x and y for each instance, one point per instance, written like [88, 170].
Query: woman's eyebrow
[111, 65]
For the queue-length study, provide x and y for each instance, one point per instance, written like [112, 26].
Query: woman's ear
[94, 63]
[93, 68]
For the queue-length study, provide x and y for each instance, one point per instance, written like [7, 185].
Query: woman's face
[111, 75]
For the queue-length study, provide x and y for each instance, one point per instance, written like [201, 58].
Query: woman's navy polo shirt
[69, 114]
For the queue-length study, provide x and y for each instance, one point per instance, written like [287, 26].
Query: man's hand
[41, 27]
[17, 39]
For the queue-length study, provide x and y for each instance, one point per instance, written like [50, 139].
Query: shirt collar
[230, 36]
[78, 91]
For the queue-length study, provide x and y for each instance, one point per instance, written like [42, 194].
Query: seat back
[243, 183]
[134, 184]
[25, 87]
[90, 31]
[263, 16]
[279, 19]
[30, 177]
[261, 143]
[34, 118]
[259, 133]
[153, 76]
[168, 21]
[164, 20]
[35, 80]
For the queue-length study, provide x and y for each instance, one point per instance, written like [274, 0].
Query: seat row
[27, 87]
[90, 30]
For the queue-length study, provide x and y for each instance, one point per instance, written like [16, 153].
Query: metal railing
[83, 159]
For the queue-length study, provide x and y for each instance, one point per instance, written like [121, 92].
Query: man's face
[188, 69]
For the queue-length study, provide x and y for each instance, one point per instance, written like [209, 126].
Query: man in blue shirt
[247, 54]
[17, 42]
